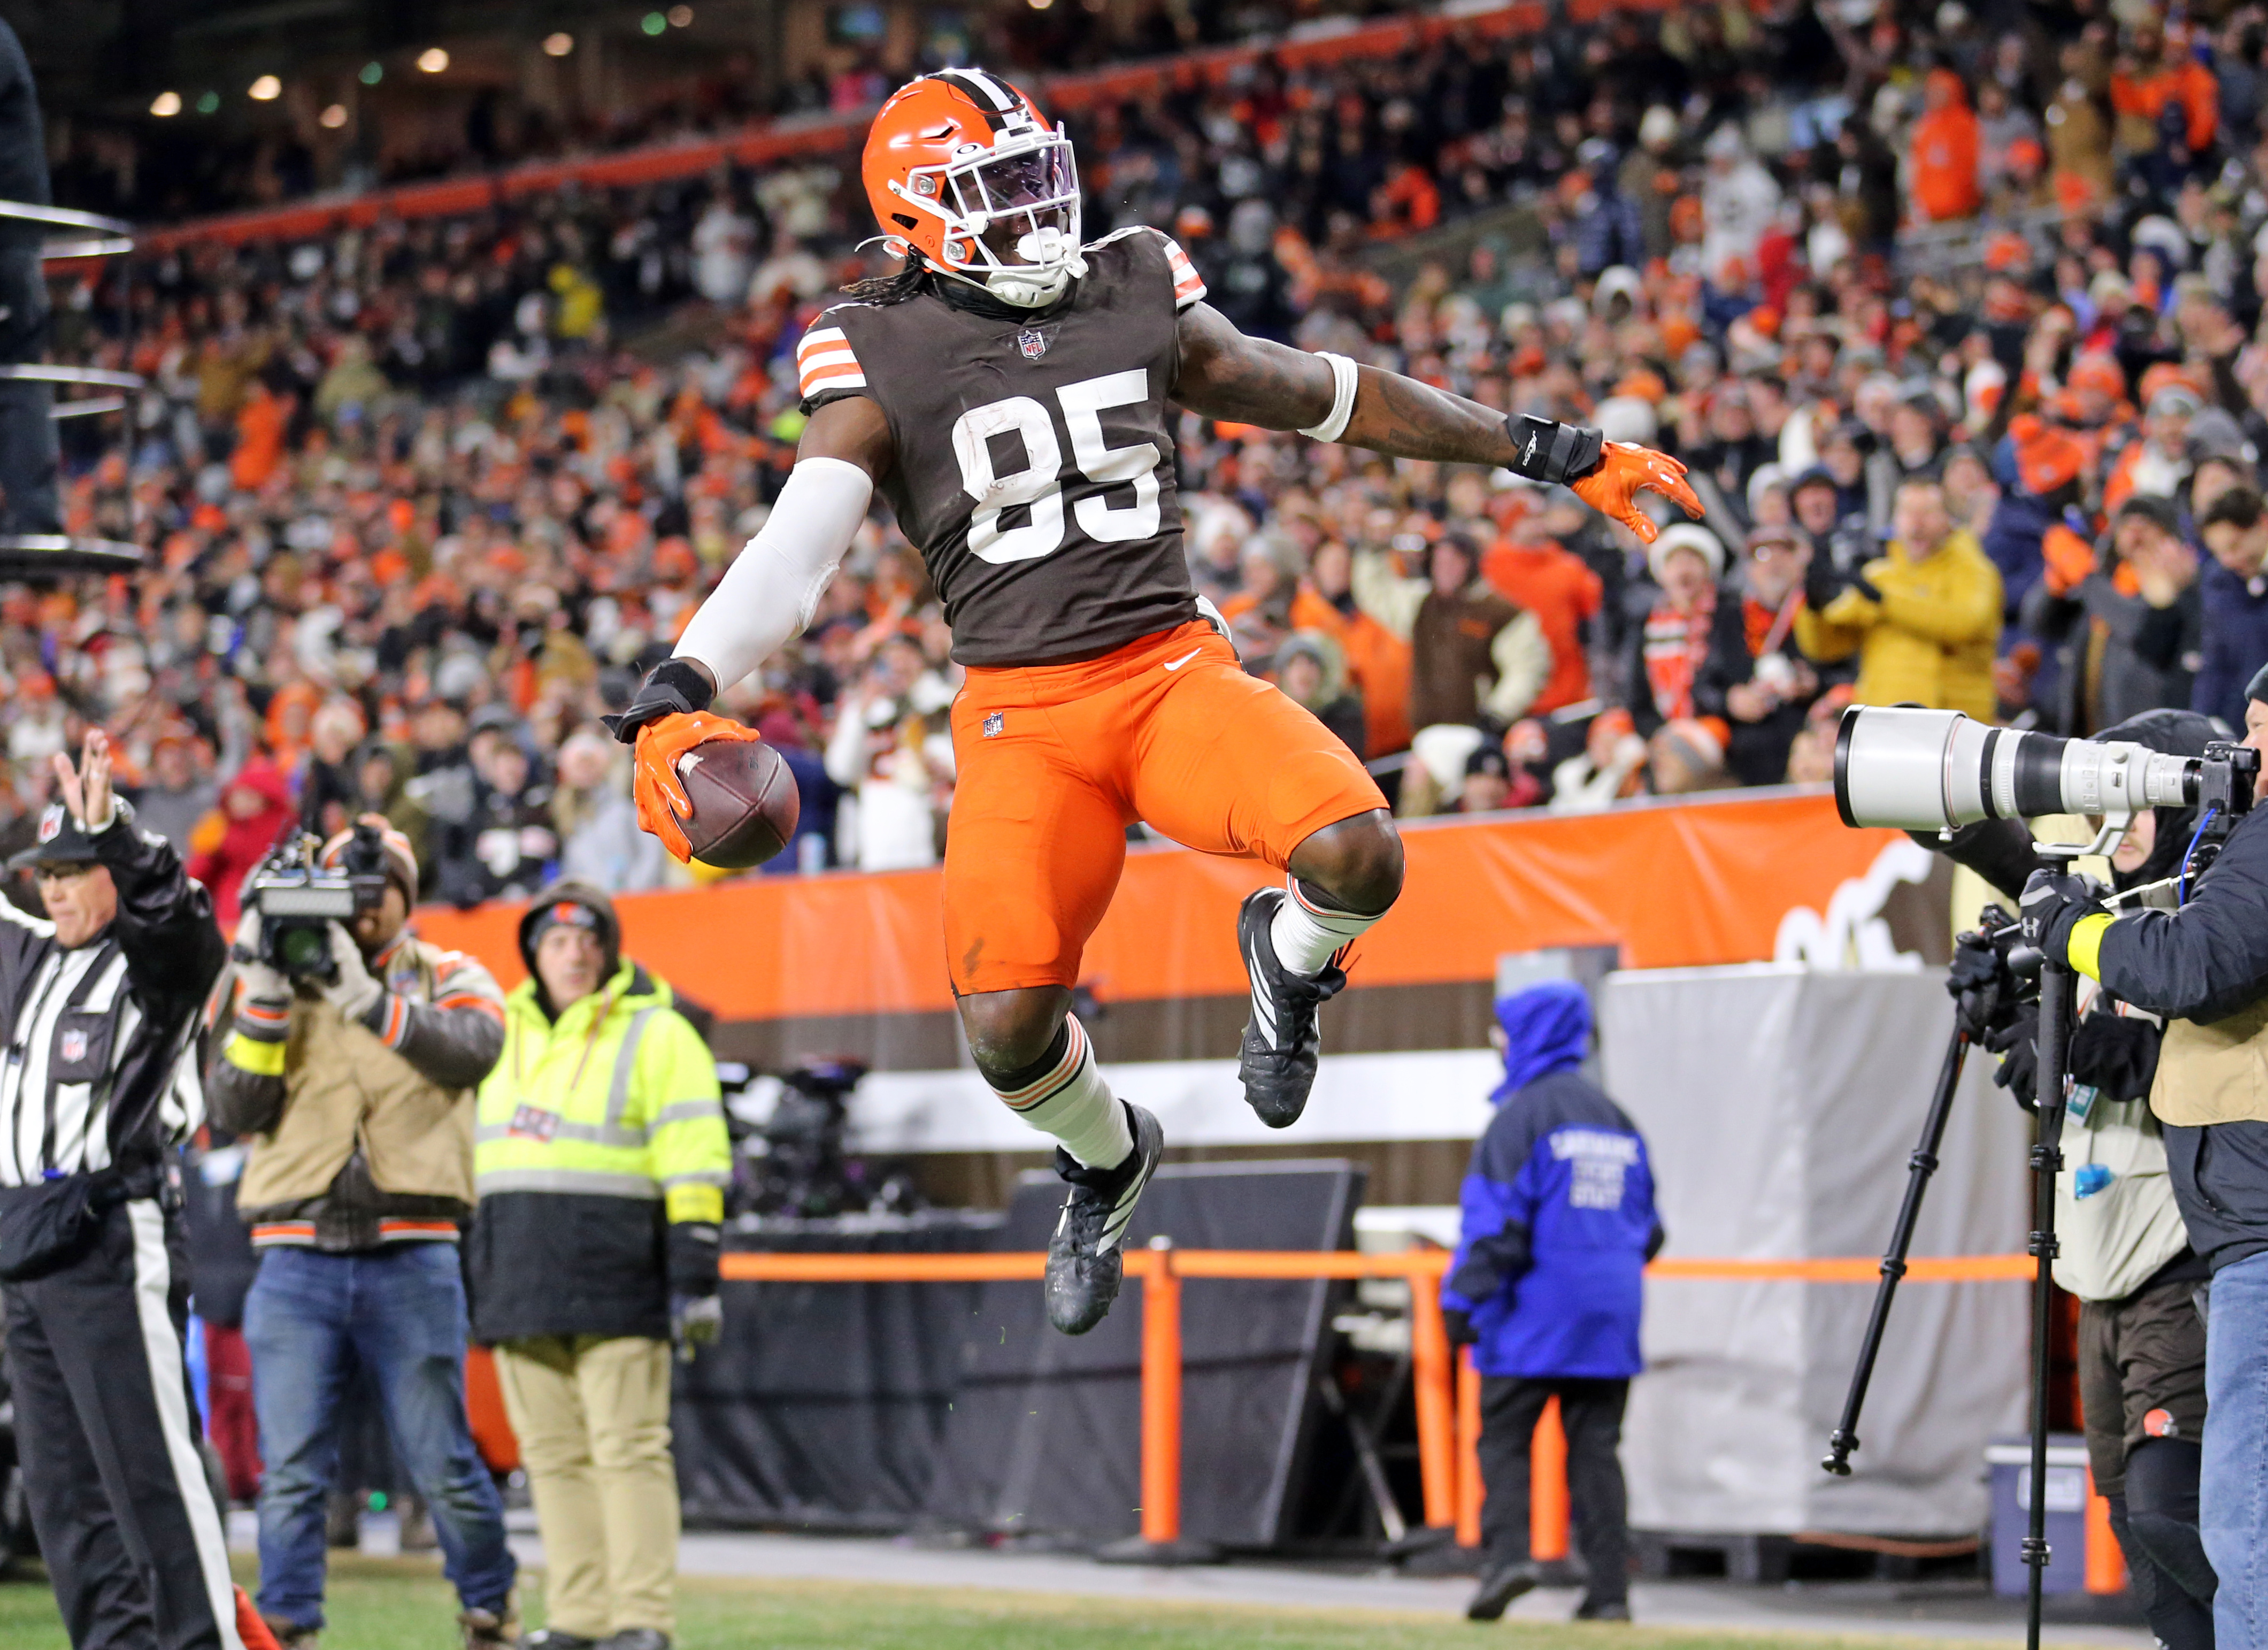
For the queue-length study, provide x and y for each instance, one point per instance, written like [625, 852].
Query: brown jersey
[1034, 456]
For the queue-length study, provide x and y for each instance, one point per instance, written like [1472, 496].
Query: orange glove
[662, 804]
[1622, 473]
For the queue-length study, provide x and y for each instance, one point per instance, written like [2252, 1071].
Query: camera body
[803, 1166]
[298, 899]
[2225, 785]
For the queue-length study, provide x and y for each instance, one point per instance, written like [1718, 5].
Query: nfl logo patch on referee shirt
[74, 1047]
[1032, 342]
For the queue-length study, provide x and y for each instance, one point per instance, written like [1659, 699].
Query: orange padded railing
[1447, 1389]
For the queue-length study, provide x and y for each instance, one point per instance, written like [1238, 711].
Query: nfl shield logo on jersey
[995, 724]
[74, 1047]
[1032, 342]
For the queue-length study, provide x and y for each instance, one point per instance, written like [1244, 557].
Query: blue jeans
[2233, 1488]
[399, 1312]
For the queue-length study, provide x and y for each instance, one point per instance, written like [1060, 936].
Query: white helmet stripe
[1002, 98]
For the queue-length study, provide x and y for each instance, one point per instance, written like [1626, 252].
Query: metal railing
[1446, 1386]
[41, 555]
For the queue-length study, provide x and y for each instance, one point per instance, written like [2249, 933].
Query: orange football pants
[1056, 760]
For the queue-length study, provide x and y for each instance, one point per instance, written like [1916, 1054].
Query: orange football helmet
[963, 169]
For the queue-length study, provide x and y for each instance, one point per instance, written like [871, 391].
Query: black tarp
[1045, 1431]
[880, 1406]
[823, 1404]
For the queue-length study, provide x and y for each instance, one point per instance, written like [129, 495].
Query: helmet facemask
[1010, 213]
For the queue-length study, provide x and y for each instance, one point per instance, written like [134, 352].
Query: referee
[96, 1004]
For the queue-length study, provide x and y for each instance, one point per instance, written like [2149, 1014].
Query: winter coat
[1929, 640]
[1756, 752]
[2121, 656]
[1566, 595]
[222, 864]
[1943, 159]
[2233, 641]
[2012, 539]
[2205, 968]
[1558, 1208]
[1377, 664]
[598, 1133]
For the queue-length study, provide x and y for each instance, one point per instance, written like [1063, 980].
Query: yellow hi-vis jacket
[594, 1134]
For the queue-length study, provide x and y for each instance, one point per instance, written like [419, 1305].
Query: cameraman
[99, 1001]
[2204, 967]
[2123, 1250]
[356, 1087]
[602, 1160]
[1923, 618]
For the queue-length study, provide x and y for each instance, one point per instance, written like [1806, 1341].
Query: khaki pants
[593, 1417]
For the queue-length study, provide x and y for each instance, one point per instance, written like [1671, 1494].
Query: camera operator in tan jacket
[356, 1085]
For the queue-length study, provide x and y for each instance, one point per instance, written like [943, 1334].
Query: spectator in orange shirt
[1944, 156]
[1377, 661]
[2161, 71]
[260, 424]
[1529, 569]
[1405, 203]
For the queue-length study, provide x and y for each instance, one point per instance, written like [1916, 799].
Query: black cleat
[1084, 1264]
[1602, 1609]
[1281, 1043]
[1501, 1584]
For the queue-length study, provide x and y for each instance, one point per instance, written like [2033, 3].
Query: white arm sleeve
[773, 588]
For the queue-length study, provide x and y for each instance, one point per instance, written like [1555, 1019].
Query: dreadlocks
[890, 289]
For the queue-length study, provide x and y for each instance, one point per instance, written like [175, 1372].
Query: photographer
[2204, 967]
[356, 1078]
[2123, 1251]
[100, 999]
[602, 1160]
[1922, 619]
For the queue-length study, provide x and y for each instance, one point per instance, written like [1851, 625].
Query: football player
[1010, 394]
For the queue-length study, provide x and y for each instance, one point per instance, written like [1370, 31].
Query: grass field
[390, 1604]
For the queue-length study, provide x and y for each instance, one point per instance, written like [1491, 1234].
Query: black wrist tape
[682, 678]
[675, 687]
[1551, 452]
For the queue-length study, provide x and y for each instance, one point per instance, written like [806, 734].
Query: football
[745, 802]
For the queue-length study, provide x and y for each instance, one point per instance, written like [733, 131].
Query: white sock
[1308, 936]
[1072, 1102]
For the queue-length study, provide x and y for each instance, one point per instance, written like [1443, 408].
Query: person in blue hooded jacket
[1546, 1287]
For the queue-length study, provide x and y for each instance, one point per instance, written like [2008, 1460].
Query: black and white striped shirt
[91, 1038]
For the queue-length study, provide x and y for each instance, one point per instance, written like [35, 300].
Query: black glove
[1492, 1263]
[675, 687]
[1823, 581]
[1460, 1323]
[2116, 1054]
[2018, 1042]
[2054, 901]
[692, 1254]
[1976, 963]
[1975, 982]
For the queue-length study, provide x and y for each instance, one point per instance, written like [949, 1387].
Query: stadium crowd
[1954, 328]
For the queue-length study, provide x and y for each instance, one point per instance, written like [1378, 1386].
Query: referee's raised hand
[86, 788]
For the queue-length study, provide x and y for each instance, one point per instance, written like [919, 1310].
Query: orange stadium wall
[1669, 886]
